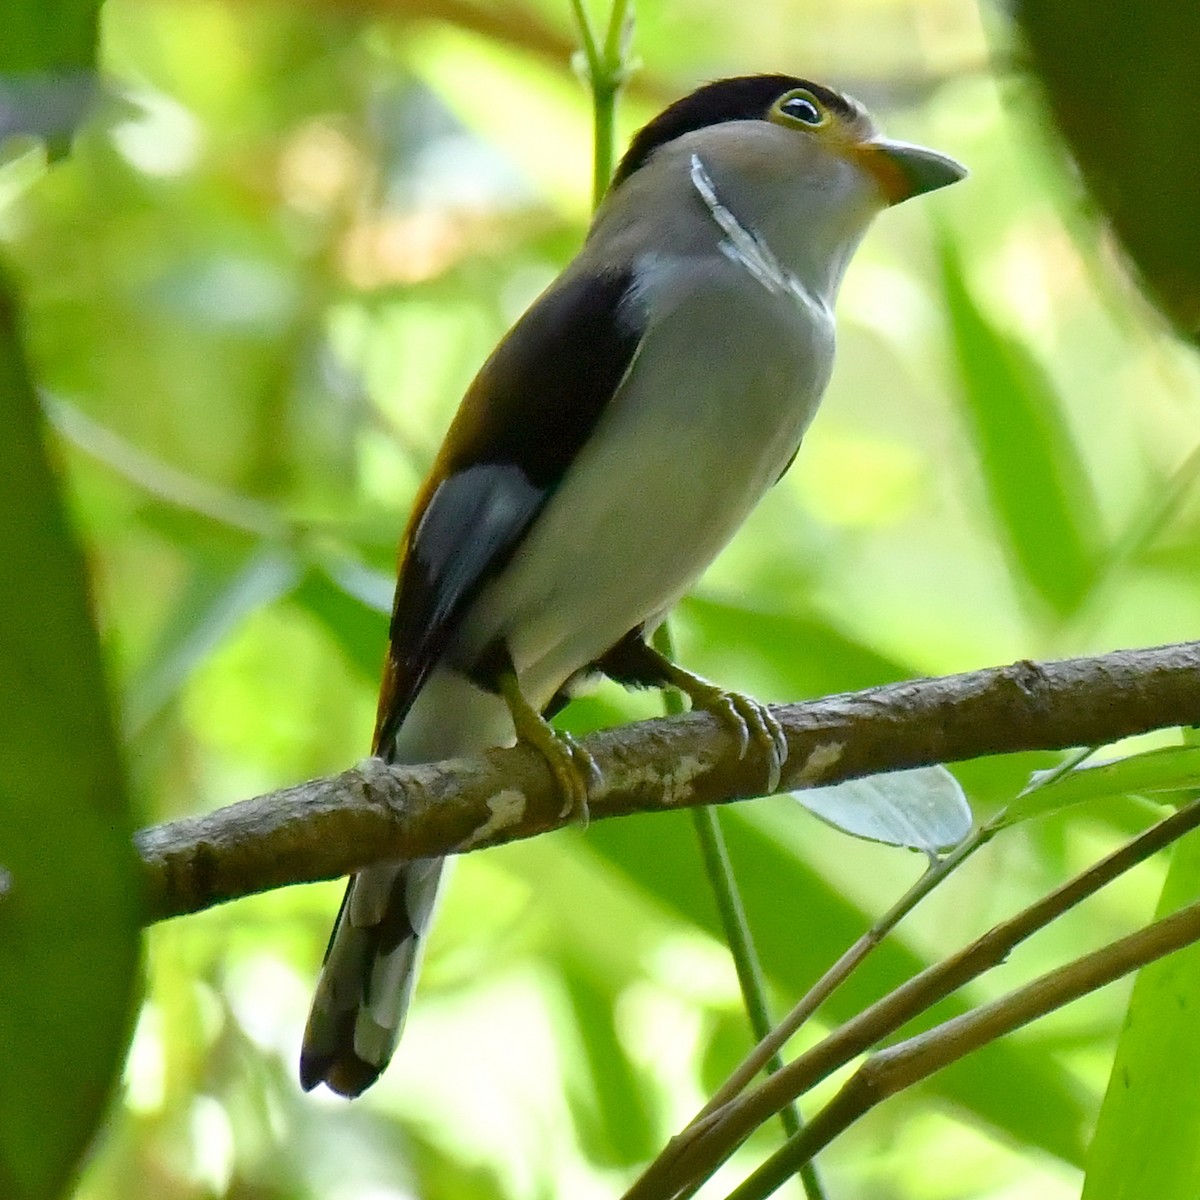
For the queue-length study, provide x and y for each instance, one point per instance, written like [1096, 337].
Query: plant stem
[842, 968]
[695, 1155]
[607, 70]
[908, 1062]
[937, 874]
[719, 870]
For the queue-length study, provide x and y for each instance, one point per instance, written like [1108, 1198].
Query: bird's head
[799, 164]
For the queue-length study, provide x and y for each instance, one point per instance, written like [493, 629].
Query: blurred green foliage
[284, 240]
[1123, 103]
[70, 905]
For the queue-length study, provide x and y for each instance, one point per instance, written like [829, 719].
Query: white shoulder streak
[743, 246]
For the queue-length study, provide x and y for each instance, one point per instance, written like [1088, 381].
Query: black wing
[522, 422]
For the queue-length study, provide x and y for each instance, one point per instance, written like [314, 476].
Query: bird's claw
[573, 768]
[577, 775]
[752, 723]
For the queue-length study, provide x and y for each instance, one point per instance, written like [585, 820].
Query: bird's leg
[635, 663]
[573, 768]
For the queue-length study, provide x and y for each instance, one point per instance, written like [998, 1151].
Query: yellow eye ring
[800, 108]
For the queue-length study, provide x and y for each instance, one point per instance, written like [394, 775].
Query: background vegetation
[252, 293]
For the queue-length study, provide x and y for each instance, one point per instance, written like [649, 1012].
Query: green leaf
[40, 35]
[1147, 1141]
[922, 809]
[70, 893]
[1036, 483]
[1116, 77]
[1170, 769]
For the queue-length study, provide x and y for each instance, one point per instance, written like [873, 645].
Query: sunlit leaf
[1115, 76]
[1170, 769]
[1036, 483]
[69, 882]
[922, 809]
[1147, 1141]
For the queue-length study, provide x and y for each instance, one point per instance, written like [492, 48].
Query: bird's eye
[802, 107]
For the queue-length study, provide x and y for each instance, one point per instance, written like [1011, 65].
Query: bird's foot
[574, 769]
[634, 662]
[752, 723]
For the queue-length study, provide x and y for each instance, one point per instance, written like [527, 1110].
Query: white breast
[716, 401]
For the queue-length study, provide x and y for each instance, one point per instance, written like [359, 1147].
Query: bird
[609, 447]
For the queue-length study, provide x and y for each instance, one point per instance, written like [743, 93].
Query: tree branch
[330, 827]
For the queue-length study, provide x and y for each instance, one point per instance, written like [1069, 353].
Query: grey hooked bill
[920, 169]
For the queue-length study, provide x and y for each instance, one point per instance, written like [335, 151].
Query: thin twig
[768, 1048]
[701, 1150]
[841, 970]
[908, 1062]
[719, 871]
